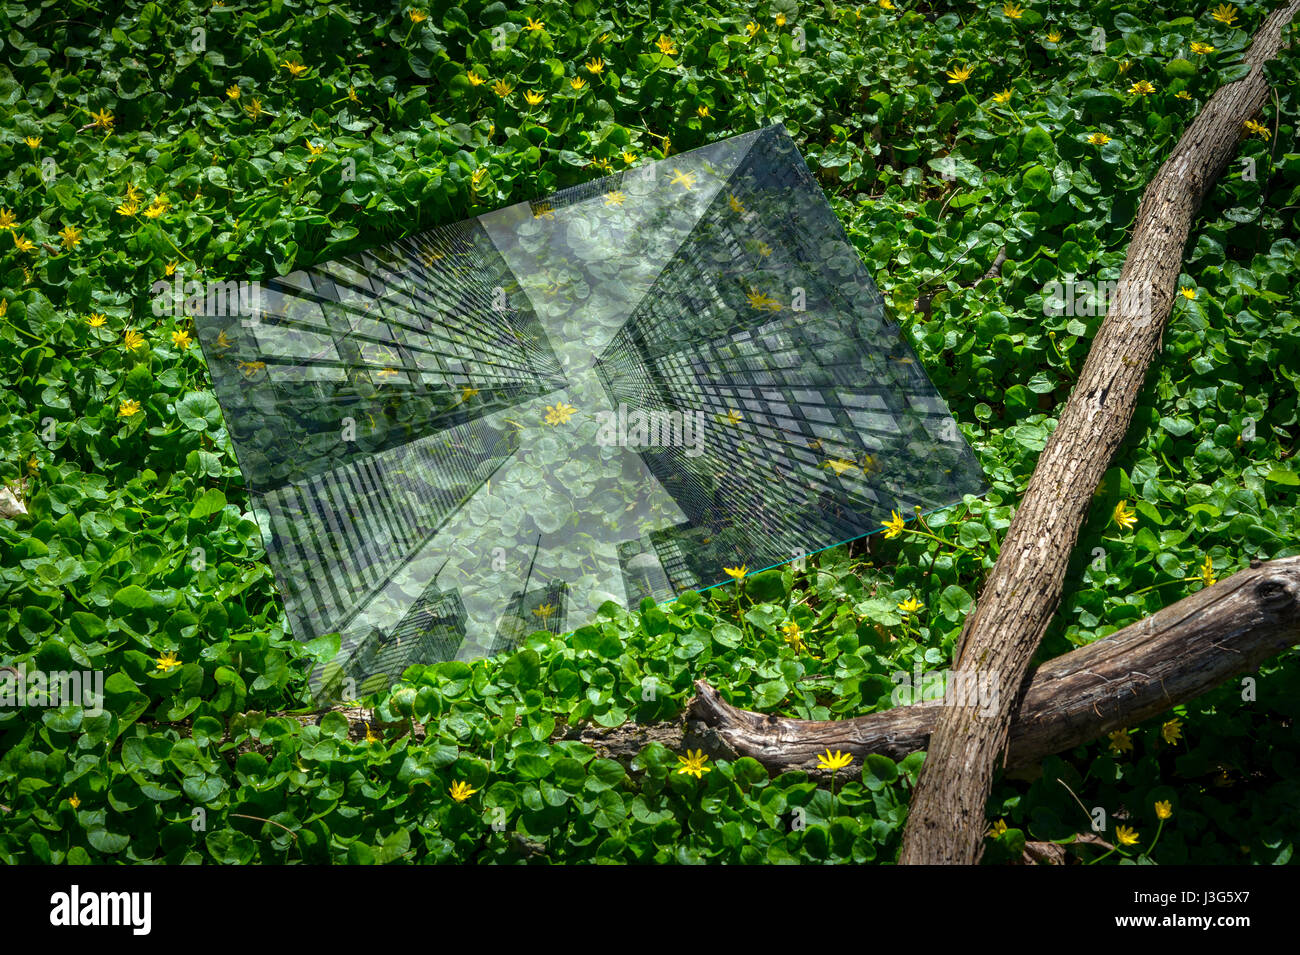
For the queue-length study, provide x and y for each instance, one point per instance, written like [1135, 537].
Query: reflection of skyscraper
[430, 632]
[643, 573]
[542, 608]
[421, 406]
[819, 419]
[339, 537]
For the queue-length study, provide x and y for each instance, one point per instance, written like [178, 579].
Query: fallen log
[946, 819]
[1173, 656]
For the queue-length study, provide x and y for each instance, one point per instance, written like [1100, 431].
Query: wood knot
[1275, 593]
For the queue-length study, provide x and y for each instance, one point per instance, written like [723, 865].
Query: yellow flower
[615, 198]
[1126, 836]
[577, 82]
[1259, 129]
[74, 801]
[170, 269]
[752, 28]
[910, 605]
[894, 526]
[477, 178]
[128, 208]
[535, 26]
[7, 219]
[1123, 516]
[603, 38]
[96, 320]
[1207, 572]
[128, 408]
[33, 141]
[885, 4]
[1120, 742]
[1183, 94]
[732, 417]
[779, 19]
[997, 828]
[502, 88]
[223, 341]
[1172, 731]
[157, 207]
[1225, 13]
[296, 70]
[372, 736]
[250, 368]
[736, 573]
[736, 205]
[418, 16]
[595, 65]
[352, 95]
[794, 636]
[1125, 67]
[960, 74]
[233, 92]
[543, 210]
[666, 46]
[1004, 97]
[683, 179]
[1142, 88]
[1098, 139]
[702, 111]
[758, 299]
[102, 119]
[181, 339]
[132, 339]
[1164, 810]
[1187, 292]
[833, 763]
[468, 392]
[692, 764]
[168, 662]
[4, 307]
[559, 413]
[839, 466]
[460, 791]
[1054, 36]
[254, 108]
[1200, 49]
[22, 244]
[1012, 11]
[544, 611]
[533, 98]
[474, 79]
[71, 236]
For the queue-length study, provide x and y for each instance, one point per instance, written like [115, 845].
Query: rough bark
[946, 818]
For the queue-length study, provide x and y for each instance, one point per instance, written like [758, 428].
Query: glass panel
[612, 394]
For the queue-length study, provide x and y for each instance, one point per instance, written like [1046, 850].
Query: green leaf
[208, 503]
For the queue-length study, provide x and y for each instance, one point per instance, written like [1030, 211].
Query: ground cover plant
[241, 141]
